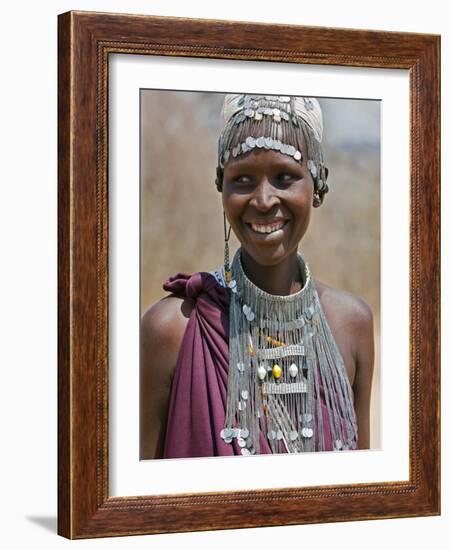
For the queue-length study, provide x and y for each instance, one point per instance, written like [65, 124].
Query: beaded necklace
[286, 376]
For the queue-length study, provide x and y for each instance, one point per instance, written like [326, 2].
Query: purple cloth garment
[197, 404]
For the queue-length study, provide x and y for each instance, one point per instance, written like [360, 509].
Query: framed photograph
[248, 275]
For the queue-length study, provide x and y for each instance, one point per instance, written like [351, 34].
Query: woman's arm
[162, 328]
[364, 360]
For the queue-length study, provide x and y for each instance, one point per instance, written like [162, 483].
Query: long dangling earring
[227, 234]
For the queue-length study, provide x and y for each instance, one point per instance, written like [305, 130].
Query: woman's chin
[266, 255]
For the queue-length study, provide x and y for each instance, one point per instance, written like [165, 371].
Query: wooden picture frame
[85, 42]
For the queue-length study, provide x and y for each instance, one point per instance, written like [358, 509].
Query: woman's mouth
[274, 229]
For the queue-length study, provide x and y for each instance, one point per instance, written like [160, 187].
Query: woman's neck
[281, 279]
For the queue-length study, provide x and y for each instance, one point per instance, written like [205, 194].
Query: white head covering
[307, 108]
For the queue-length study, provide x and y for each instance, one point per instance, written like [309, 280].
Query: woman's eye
[285, 177]
[243, 180]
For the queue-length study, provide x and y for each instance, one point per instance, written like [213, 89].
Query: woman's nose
[264, 196]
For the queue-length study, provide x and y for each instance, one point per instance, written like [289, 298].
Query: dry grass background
[181, 214]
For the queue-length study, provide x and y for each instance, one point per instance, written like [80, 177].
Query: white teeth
[267, 228]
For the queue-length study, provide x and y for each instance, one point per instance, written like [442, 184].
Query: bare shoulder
[350, 308]
[162, 328]
[351, 321]
[171, 311]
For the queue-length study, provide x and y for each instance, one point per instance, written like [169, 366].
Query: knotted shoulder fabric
[197, 404]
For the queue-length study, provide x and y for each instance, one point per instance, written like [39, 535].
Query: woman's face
[267, 198]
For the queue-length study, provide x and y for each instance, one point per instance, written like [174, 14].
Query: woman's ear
[219, 179]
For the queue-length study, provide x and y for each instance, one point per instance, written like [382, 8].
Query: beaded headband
[279, 123]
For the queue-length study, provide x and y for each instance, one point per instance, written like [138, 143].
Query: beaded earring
[227, 234]
[316, 201]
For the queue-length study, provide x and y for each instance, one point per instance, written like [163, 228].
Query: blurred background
[182, 217]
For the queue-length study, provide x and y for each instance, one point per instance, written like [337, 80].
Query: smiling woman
[267, 199]
[257, 356]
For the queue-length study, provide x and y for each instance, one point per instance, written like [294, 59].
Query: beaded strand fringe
[283, 365]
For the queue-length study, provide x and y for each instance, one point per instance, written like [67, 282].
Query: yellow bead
[276, 371]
